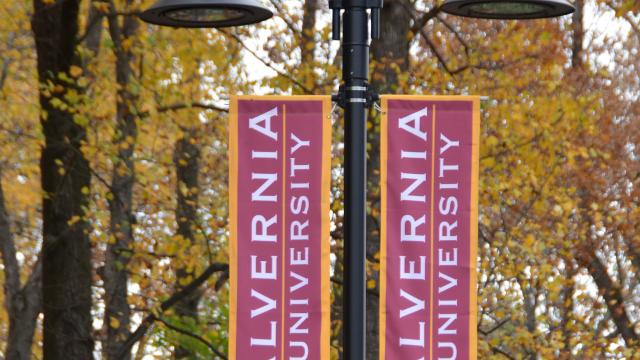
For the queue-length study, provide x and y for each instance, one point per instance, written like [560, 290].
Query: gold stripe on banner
[473, 257]
[325, 327]
[284, 216]
[471, 98]
[233, 223]
[382, 309]
[432, 233]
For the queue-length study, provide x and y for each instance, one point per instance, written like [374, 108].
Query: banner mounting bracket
[365, 94]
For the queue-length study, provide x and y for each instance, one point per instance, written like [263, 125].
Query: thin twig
[93, 21]
[457, 34]
[524, 143]
[420, 22]
[148, 321]
[192, 335]
[280, 12]
[439, 56]
[496, 327]
[180, 106]
[629, 19]
[196, 104]
[7, 61]
[266, 62]
[497, 350]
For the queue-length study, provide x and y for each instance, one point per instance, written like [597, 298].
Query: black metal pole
[355, 58]
[355, 96]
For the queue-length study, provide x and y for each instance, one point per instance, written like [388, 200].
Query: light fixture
[206, 13]
[508, 9]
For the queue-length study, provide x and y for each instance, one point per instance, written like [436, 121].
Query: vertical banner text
[429, 171]
[279, 167]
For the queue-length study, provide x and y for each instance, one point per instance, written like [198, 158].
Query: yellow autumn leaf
[371, 284]
[114, 323]
[529, 240]
[75, 71]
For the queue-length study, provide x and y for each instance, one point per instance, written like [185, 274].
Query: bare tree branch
[420, 22]
[439, 56]
[280, 13]
[627, 18]
[8, 252]
[186, 105]
[192, 335]
[455, 32]
[418, 27]
[524, 143]
[497, 350]
[611, 292]
[196, 104]
[95, 18]
[494, 328]
[22, 303]
[148, 321]
[6, 62]
[266, 62]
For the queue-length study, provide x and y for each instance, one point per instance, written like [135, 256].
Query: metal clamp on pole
[359, 94]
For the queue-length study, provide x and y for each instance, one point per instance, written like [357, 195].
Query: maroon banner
[279, 161]
[429, 170]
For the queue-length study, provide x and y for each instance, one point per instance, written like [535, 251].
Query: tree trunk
[187, 162]
[578, 35]
[530, 302]
[566, 309]
[307, 45]
[23, 304]
[391, 48]
[94, 29]
[117, 312]
[65, 177]
[306, 73]
[586, 256]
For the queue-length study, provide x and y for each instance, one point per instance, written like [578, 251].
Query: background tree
[122, 33]
[65, 181]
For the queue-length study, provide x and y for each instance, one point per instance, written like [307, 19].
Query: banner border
[282, 97]
[475, 137]
[473, 224]
[325, 327]
[471, 98]
[382, 308]
[233, 223]
[325, 286]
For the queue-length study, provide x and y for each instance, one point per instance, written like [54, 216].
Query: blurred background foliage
[146, 109]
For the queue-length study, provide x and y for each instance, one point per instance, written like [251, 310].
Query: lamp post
[206, 13]
[360, 18]
[354, 96]
[508, 9]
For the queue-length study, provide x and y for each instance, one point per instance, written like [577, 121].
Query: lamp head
[508, 9]
[206, 13]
